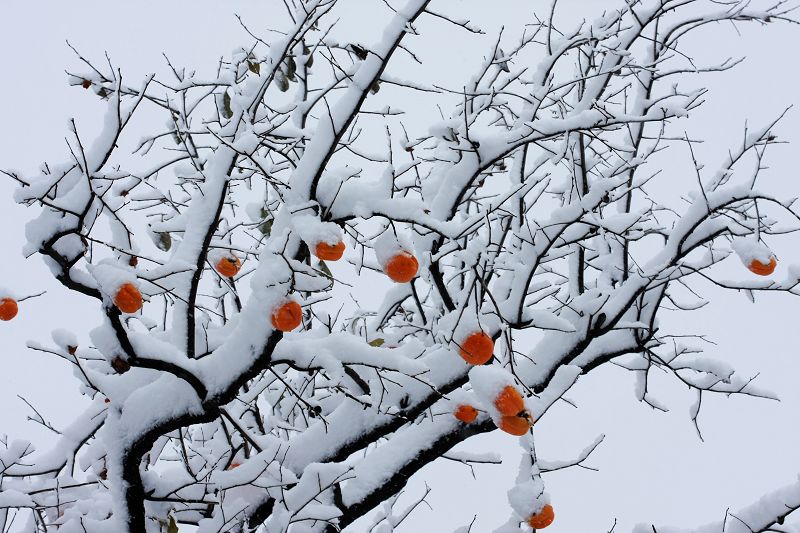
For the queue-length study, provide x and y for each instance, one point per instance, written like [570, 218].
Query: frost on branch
[511, 247]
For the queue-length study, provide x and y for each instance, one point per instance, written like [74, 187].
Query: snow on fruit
[755, 255]
[763, 269]
[509, 402]
[228, 266]
[543, 518]
[287, 316]
[395, 257]
[402, 268]
[328, 252]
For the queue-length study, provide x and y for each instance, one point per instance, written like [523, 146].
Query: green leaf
[227, 111]
[376, 342]
[172, 526]
[254, 67]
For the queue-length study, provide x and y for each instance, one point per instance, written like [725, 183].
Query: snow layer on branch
[758, 516]
[331, 351]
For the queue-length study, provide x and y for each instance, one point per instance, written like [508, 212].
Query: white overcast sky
[651, 467]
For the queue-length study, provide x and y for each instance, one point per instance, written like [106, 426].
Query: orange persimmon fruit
[466, 413]
[288, 316]
[128, 298]
[402, 267]
[543, 518]
[477, 348]
[328, 252]
[509, 402]
[8, 309]
[515, 425]
[762, 269]
[228, 266]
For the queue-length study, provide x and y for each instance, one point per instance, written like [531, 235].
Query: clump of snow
[488, 381]
[64, 339]
[313, 231]
[750, 248]
[389, 245]
[528, 498]
[111, 275]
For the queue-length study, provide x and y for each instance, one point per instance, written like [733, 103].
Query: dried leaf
[376, 342]
[164, 241]
[359, 51]
[227, 111]
[266, 227]
[282, 81]
[325, 269]
[291, 68]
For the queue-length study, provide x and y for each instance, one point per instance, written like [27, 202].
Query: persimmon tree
[234, 385]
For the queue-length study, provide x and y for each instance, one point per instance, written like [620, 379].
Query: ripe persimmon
[402, 267]
[288, 316]
[128, 298]
[515, 425]
[509, 402]
[328, 252]
[228, 266]
[763, 269]
[466, 413]
[543, 518]
[8, 309]
[477, 348]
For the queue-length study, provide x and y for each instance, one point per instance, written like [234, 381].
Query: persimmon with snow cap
[287, 316]
[543, 518]
[509, 402]
[8, 309]
[763, 269]
[228, 265]
[755, 255]
[329, 252]
[402, 267]
[477, 348]
[466, 413]
[128, 298]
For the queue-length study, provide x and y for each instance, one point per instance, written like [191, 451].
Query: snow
[750, 249]
[322, 418]
[389, 244]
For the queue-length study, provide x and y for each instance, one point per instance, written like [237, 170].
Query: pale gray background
[652, 466]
